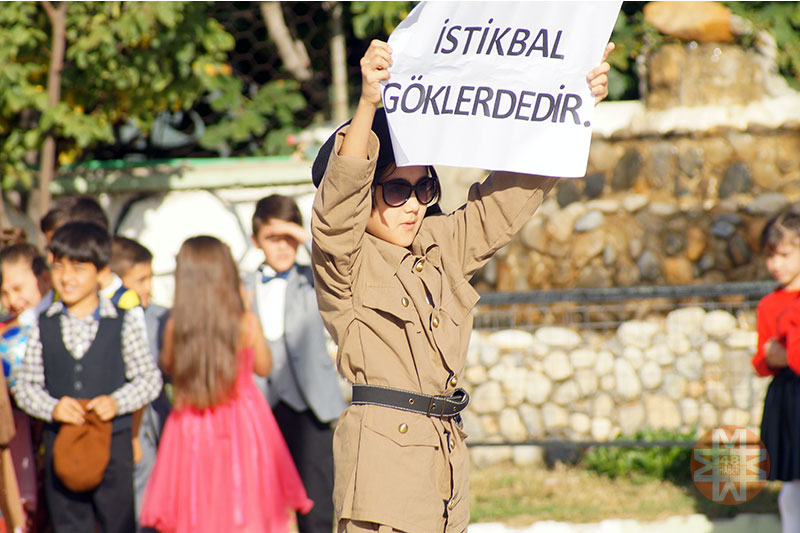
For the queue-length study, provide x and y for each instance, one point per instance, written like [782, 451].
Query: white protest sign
[496, 85]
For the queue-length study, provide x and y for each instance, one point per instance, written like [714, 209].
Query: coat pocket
[460, 301]
[401, 470]
[389, 301]
[404, 429]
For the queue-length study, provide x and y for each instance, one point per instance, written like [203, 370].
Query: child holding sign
[393, 289]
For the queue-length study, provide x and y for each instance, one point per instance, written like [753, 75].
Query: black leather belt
[438, 406]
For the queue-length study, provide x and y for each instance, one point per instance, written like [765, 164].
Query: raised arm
[500, 206]
[344, 199]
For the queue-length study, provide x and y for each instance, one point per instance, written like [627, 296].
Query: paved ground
[696, 523]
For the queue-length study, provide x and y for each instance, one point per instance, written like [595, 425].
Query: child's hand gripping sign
[496, 85]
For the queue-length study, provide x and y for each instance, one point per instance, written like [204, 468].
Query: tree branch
[293, 52]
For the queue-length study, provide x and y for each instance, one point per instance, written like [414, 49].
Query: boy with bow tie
[302, 388]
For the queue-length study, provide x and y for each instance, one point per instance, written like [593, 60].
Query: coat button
[453, 381]
[78, 385]
[435, 322]
[419, 266]
[403, 428]
[78, 367]
[404, 301]
[451, 504]
[452, 443]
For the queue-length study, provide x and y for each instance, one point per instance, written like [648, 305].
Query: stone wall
[688, 369]
[679, 207]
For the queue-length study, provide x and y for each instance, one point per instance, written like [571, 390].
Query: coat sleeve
[765, 332]
[338, 222]
[793, 339]
[495, 211]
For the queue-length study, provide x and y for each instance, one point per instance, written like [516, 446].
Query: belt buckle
[433, 406]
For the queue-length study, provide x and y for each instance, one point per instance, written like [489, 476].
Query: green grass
[521, 495]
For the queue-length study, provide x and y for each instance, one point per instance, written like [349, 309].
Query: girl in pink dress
[222, 463]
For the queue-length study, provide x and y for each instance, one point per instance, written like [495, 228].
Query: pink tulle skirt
[224, 469]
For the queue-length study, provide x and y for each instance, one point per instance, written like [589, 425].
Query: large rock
[735, 180]
[690, 366]
[735, 417]
[627, 169]
[558, 337]
[554, 416]
[690, 411]
[557, 366]
[651, 375]
[637, 333]
[566, 394]
[601, 429]
[662, 412]
[603, 405]
[528, 455]
[696, 242]
[583, 358]
[589, 222]
[532, 419]
[511, 427]
[587, 382]
[704, 22]
[631, 418]
[485, 456]
[538, 388]
[488, 398]
[515, 386]
[580, 423]
[674, 386]
[628, 385]
[678, 271]
[718, 394]
[605, 363]
[684, 321]
[512, 340]
[719, 323]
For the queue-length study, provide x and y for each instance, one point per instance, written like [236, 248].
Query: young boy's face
[280, 248]
[20, 289]
[77, 283]
[139, 278]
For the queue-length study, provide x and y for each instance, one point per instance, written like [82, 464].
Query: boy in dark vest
[84, 347]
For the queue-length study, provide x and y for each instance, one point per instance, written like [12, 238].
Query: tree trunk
[338, 64]
[293, 53]
[47, 162]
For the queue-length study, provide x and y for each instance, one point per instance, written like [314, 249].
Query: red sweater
[778, 316]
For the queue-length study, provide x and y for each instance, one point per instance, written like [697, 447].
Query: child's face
[20, 289]
[280, 248]
[398, 225]
[139, 278]
[783, 263]
[77, 283]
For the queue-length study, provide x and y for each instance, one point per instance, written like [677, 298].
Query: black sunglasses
[396, 192]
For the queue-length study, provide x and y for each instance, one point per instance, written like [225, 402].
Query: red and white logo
[729, 465]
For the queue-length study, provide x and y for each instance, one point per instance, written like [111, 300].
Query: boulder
[704, 22]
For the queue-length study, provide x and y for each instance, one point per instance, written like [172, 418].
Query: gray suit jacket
[304, 342]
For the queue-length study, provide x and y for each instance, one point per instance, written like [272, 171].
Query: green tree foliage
[782, 21]
[126, 62]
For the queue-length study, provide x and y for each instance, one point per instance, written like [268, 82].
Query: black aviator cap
[385, 154]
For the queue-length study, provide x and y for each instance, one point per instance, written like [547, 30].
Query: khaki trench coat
[401, 318]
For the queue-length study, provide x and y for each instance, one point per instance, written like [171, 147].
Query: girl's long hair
[206, 314]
